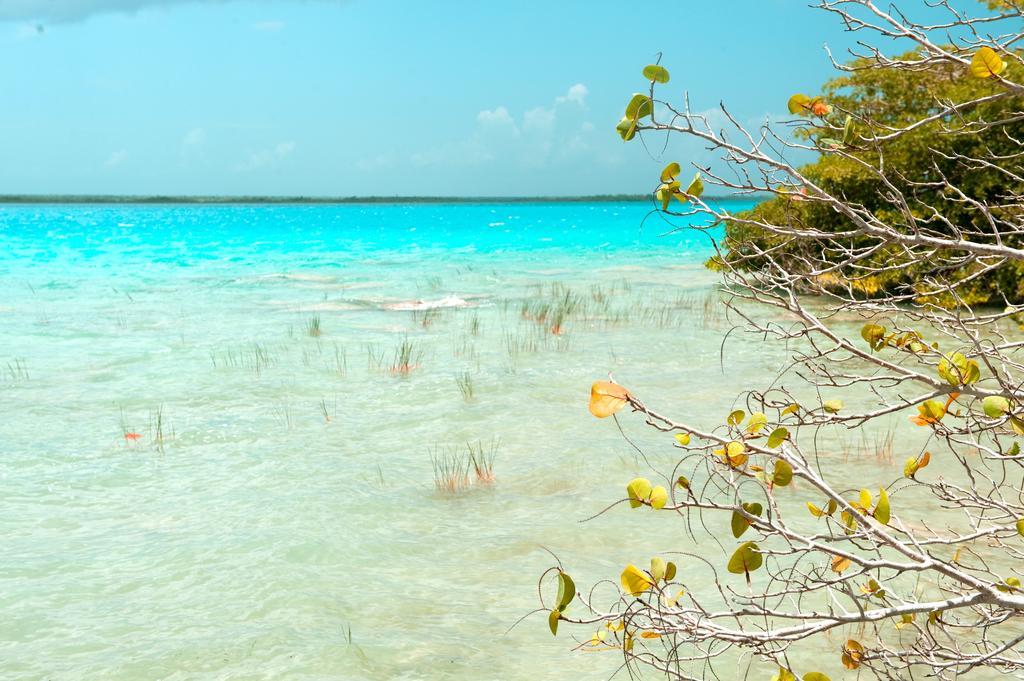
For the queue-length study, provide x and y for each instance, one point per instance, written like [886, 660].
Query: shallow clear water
[276, 517]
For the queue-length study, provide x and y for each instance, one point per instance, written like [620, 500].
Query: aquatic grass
[407, 358]
[340, 361]
[282, 412]
[482, 457]
[327, 410]
[880, 446]
[158, 431]
[465, 383]
[255, 357]
[374, 357]
[17, 369]
[451, 470]
[313, 326]
[426, 318]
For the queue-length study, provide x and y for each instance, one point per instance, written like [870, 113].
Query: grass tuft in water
[313, 326]
[482, 456]
[406, 358]
[465, 383]
[451, 470]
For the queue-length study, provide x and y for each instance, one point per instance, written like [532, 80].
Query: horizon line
[300, 199]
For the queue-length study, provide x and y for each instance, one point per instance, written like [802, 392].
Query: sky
[376, 97]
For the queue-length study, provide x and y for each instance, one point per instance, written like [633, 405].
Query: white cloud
[496, 118]
[265, 158]
[269, 26]
[57, 11]
[116, 158]
[541, 135]
[194, 138]
[577, 93]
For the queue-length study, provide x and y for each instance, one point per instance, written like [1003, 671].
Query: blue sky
[383, 97]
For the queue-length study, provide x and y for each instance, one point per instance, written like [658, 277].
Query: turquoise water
[197, 486]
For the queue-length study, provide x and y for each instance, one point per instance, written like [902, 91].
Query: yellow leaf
[840, 563]
[635, 581]
[735, 454]
[881, 512]
[757, 421]
[670, 172]
[853, 653]
[986, 63]
[658, 568]
[639, 491]
[606, 398]
[799, 104]
[683, 439]
[659, 497]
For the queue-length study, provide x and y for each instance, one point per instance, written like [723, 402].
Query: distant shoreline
[314, 200]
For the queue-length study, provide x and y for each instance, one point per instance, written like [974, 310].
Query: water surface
[272, 512]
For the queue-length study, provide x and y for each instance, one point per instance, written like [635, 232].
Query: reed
[283, 414]
[374, 357]
[465, 382]
[158, 428]
[406, 358]
[313, 326]
[17, 369]
[451, 470]
[326, 410]
[482, 456]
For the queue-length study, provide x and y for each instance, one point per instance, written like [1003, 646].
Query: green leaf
[848, 131]
[995, 406]
[655, 73]
[1009, 585]
[745, 559]
[874, 335]
[696, 187]
[1020, 527]
[566, 590]
[739, 523]
[658, 568]
[639, 491]
[956, 369]
[832, 406]
[736, 417]
[670, 571]
[815, 676]
[757, 421]
[639, 107]
[777, 437]
[1017, 424]
[670, 172]
[881, 512]
[783, 473]
[626, 129]
[799, 104]
[553, 618]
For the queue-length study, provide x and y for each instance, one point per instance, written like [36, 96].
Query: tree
[878, 268]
